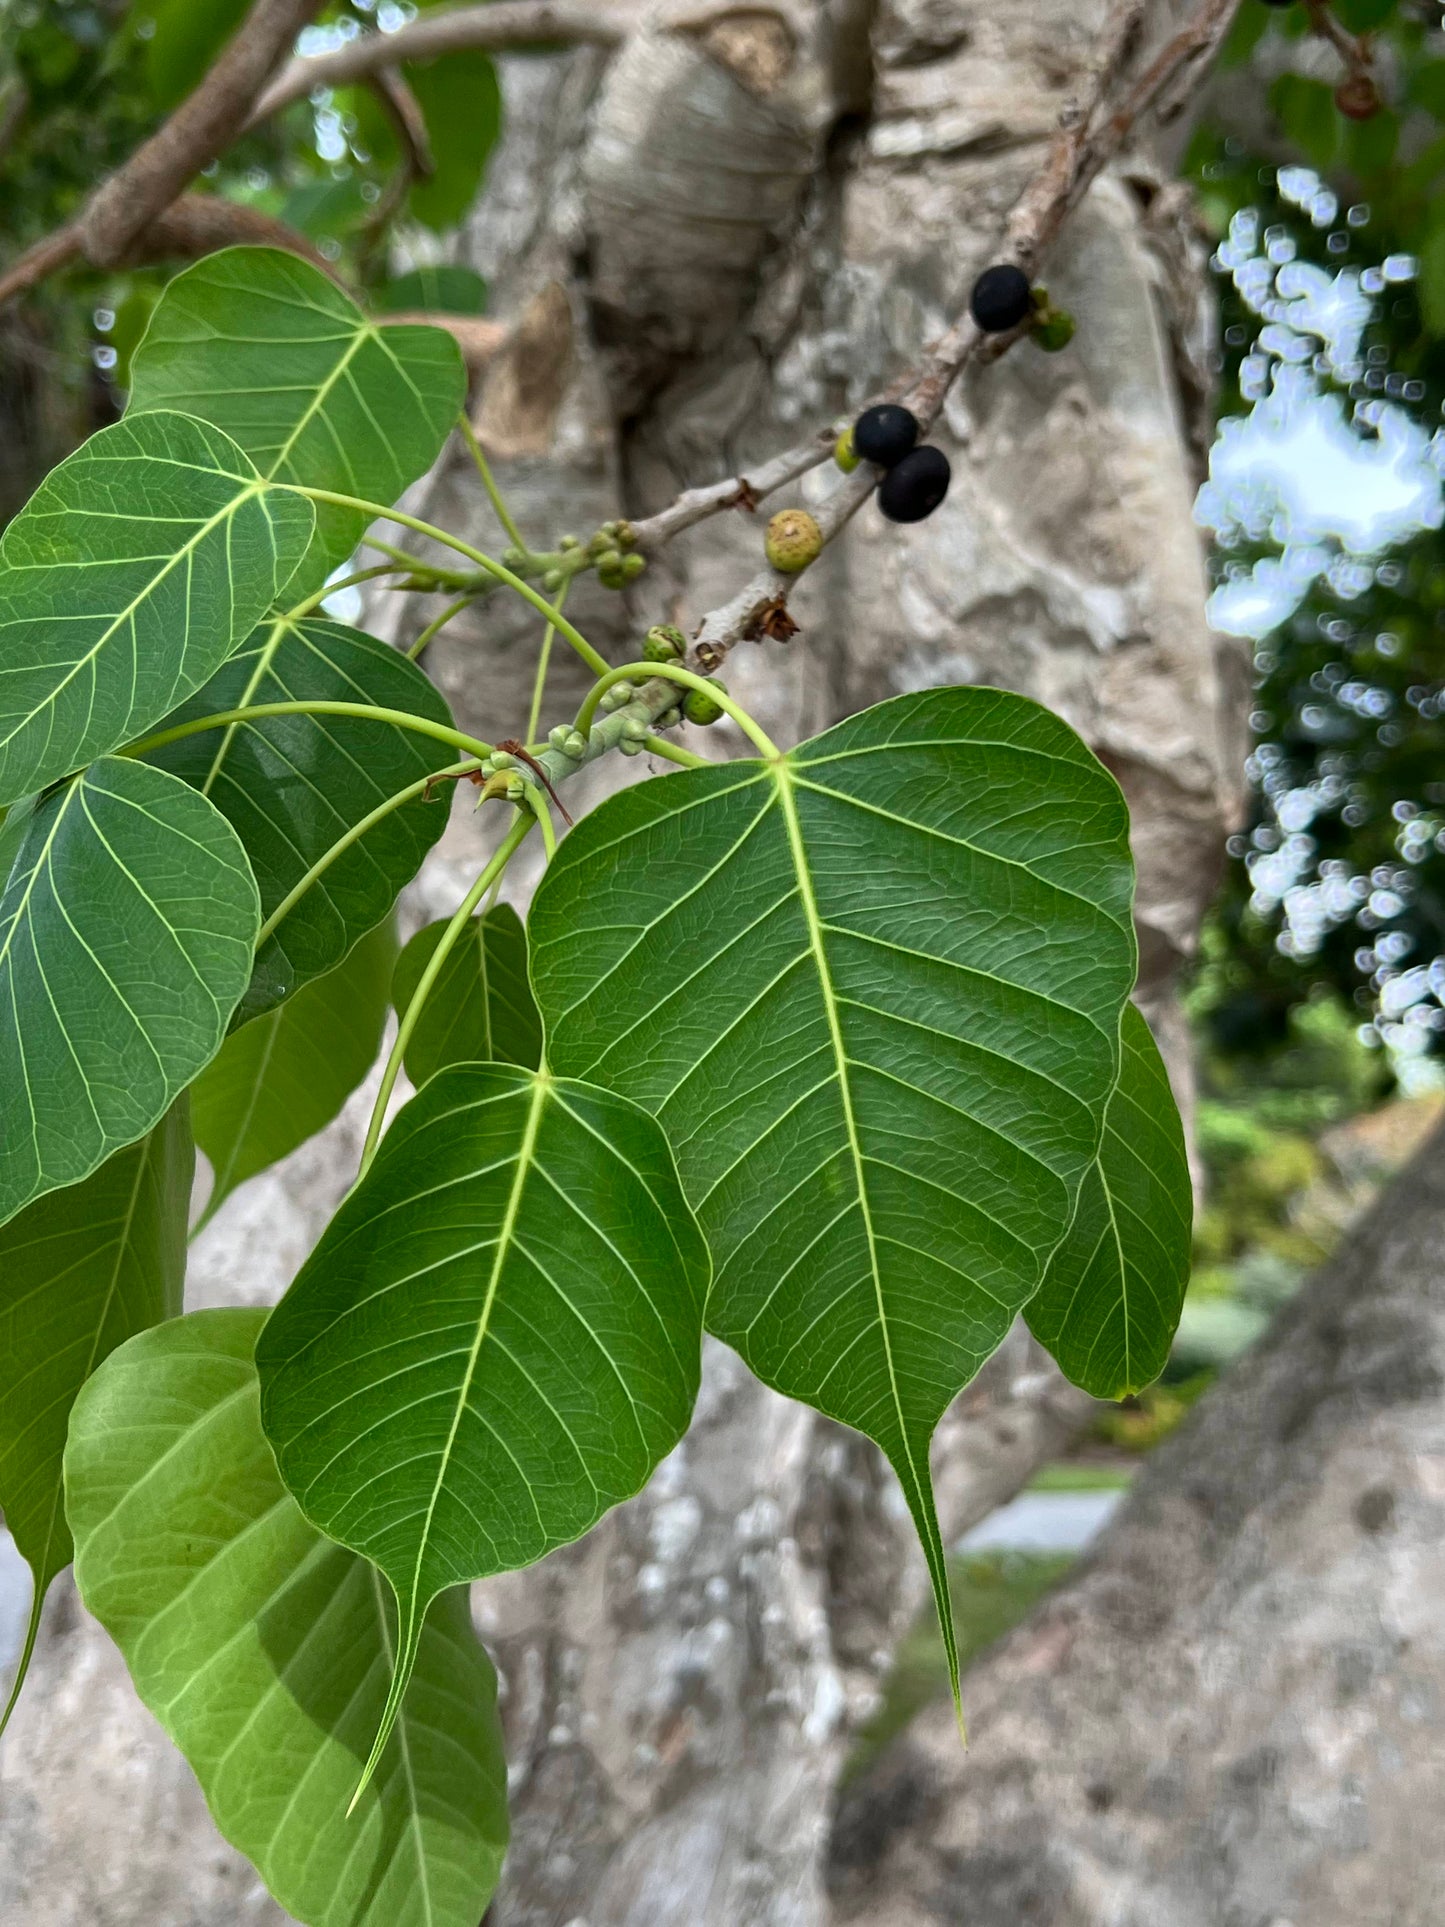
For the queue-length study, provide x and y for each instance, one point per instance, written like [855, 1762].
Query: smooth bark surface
[1232, 1713]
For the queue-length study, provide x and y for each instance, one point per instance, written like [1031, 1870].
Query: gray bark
[1232, 1715]
[710, 241]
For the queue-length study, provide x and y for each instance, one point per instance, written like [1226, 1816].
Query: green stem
[541, 809]
[674, 672]
[413, 563]
[489, 483]
[354, 835]
[437, 624]
[492, 567]
[445, 945]
[422, 725]
[675, 753]
[534, 715]
[329, 589]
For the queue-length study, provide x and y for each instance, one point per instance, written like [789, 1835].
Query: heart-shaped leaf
[271, 350]
[131, 574]
[872, 993]
[277, 1081]
[81, 1270]
[127, 918]
[293, 786]
[497, 1338]
[1110, 1301]
[481, 1007]
[265, 1651]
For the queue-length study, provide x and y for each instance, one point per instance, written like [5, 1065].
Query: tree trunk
[708, 242]
[744, 232]
[1233, 1713]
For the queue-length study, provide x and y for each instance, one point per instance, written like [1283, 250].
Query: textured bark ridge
[714, 238]
[1233, 1712]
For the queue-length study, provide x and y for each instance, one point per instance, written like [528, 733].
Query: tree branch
[496, 27]
[29, 269]
[1089, 137]
[205, 123]
[403, 110]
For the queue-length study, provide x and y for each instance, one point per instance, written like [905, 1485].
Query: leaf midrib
[809, 904]
[185, 553]
[122, 1244]
[505, 1237]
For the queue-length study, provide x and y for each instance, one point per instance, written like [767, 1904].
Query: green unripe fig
[515, 560]
[844, 453]
[699, 707]
[632, 567]
[793, 541]
[664, 643]
[609, 570]
[552, 581]
[1053, 330]
[568, 542]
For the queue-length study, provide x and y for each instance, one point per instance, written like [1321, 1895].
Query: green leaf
[264, 1651]
[81, 1271]
[185, 37]
[1425, 84]
[1306, 111]
[292, 786]
[497, 1338]
[278, 1080]
[1110, 1301]
[481, 1008]
[1364, 16]
[1369, 145]
[127, 919]
[461, 102]
[1432, 277]
[271, 350]
[872, 993]
[130, 575]
[442, 289]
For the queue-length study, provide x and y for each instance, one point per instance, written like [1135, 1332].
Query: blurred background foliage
[82, 82]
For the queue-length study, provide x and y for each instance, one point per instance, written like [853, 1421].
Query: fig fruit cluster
[915, 478]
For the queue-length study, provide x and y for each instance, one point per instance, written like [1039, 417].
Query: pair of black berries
[917, 478]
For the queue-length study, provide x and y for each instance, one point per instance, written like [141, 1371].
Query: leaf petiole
[493, 568]
[329, 589]
[354, 835]
[489, 483]
[675, 753]
[401, 718]
[534, 715]
[446, 943]
[437, 624]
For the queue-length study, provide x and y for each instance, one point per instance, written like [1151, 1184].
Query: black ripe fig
[885, 434]
[914, 487]
[1001, 299]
